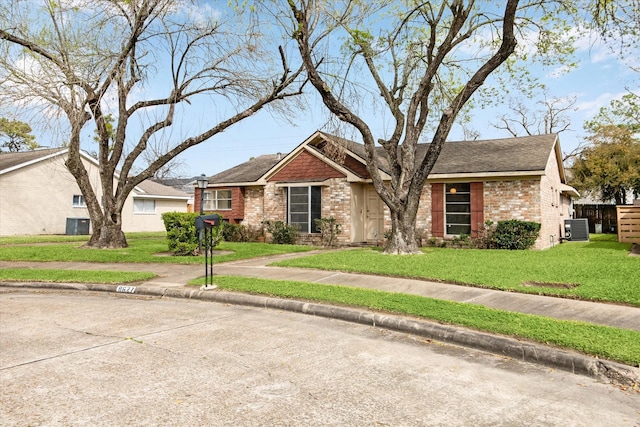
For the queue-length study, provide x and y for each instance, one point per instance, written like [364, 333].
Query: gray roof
[249, 171]
[10, 160]
[525, 154]
[521, 154]
[156, 189]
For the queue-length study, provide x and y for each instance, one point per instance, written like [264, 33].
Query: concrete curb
[599, 369]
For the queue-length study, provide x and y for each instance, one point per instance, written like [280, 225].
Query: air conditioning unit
[576, 230]
[77, 226]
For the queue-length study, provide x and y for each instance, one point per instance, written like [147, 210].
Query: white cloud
[590, 108]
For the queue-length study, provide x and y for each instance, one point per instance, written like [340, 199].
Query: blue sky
[600, 77]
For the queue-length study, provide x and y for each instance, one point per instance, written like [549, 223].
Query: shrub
[181, 232]
[483, 238]
[281, 233]
[461, 241]
[515, 234]
[233, 232]
[240, 233]
[329, 228]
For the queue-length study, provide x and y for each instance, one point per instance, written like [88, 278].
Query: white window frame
[212, 199]
[79, 201]
[145, 209]
[309, 223]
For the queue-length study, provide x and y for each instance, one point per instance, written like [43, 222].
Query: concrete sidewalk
[177, 275]
[172, 278]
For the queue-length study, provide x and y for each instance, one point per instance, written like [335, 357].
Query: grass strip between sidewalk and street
[72, 276]
[611, 343]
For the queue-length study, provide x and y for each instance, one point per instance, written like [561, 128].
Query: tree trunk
[402, 240]
[109, 235]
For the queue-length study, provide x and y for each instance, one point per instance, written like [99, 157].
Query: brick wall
[521, 199]
[254, 206]
[518, 199]
[237, 212]
[552, 211]
[336, 202]
[275, 203]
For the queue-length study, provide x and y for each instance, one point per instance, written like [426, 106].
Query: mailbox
[207, 221]
[204, 225]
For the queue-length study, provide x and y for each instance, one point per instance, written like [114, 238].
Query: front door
[374, 215]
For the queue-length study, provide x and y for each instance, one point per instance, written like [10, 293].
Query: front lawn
[599, 270]
[143, 247]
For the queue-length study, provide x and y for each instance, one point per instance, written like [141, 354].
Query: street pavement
[115, 359]
[172, 279]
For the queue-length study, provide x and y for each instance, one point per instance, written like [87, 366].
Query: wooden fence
[628, 224]
[602, 218]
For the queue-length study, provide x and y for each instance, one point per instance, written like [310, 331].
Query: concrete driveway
[72, 358]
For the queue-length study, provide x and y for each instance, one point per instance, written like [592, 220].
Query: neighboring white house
[38, 195]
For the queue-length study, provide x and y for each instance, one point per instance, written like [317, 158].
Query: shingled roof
[506, 155]
[155, 189]
[249, 171]
[521, 154]
[11, 160]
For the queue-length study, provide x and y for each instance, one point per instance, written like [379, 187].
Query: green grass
[603, 341]
[600, 270]
[143, 248]
[71, 276]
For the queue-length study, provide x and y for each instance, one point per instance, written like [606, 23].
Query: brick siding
[237, 212]
[521, 199]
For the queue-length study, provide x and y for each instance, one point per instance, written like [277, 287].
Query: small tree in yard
[422, 61]
[146, 64]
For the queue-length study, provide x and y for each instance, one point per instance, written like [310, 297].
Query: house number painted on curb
[126, 289]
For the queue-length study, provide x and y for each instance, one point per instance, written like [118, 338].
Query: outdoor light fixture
[202, 184]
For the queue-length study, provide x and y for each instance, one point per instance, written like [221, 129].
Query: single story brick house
[38, 195]
[472, 182]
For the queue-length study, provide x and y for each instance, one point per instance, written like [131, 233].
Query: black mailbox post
[207, 223]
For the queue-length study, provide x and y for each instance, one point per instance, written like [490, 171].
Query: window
[217, 200]
[303, 206]
[145, 206]
[458, 208]
[78, 201]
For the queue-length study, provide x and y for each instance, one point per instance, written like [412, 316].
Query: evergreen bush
[181, 232]
[281, 233]
[515, 234]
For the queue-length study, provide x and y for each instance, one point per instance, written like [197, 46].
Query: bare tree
[147, 62]
[424, 61]
[550, 117]
[172, 169]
